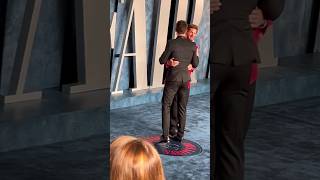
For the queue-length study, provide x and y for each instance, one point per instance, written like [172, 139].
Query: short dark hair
[193, 26]
[181, 27]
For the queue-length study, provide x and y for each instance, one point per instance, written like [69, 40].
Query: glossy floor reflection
[284, 142]
[77, 160]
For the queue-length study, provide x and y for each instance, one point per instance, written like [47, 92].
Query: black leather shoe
[172, 133]
[177, 138]
[164, 139]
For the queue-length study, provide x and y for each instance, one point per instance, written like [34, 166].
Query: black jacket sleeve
[271, 9]
[166, 54]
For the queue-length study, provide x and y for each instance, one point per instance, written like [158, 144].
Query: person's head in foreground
[134, 159]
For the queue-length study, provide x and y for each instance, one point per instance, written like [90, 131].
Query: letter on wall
[113, 29]
[160, 41]
[137, 17]
[197, 11]
[23, 56]
[181, 13]
[92, 46]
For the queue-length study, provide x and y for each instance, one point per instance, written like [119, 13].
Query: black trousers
[231, 106]
[172, 89]
[174, 122]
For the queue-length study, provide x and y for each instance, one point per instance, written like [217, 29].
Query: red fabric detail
[257, 34]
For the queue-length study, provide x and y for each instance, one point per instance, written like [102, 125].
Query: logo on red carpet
[174, 148]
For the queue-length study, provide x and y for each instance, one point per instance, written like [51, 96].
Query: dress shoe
[164, 139]
[177, 138]
[173, 133]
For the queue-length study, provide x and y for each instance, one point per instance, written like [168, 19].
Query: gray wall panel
[15, 12]
[292, 27]
[48, 48]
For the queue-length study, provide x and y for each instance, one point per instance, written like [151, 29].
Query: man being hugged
[177, 78]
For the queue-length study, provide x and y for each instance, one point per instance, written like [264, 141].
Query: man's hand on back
[256, 18]
[172, 62]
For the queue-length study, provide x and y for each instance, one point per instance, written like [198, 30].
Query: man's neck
[181, 35]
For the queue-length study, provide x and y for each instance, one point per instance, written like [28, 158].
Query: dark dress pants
[230, 111]
[174, 123]
[251, 98]
[171, 89]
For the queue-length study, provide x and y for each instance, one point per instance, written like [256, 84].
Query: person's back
[177, 79]
[233, 10]
[234, 52]
[233, 43]
[184, 51]
[232, 39]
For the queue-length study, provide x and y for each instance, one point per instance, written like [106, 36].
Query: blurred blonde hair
[119, 142]
[134, 159]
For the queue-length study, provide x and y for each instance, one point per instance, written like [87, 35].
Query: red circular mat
[174, 148]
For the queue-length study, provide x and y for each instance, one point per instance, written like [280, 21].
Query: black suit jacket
[231, 33]
[184, 51]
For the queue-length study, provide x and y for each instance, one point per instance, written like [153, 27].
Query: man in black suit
[174, 123]
[233, 51]
[177, 78]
